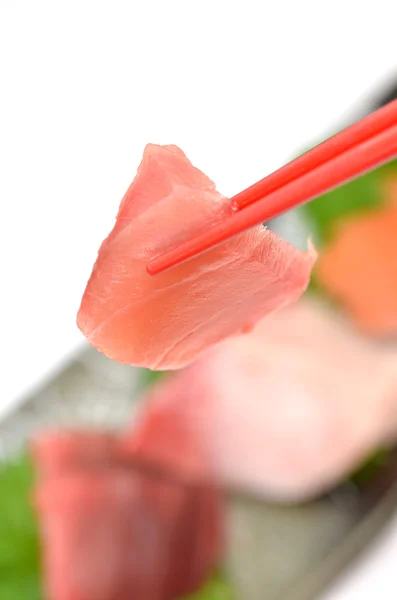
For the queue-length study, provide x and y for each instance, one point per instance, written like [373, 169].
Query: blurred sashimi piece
[198, 541]
[56, 453]
[284, 412]
[359, 268]
[111, 531]
[62, 452]
[165, 322]
[169, 430]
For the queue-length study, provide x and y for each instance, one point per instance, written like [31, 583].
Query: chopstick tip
[151, 269]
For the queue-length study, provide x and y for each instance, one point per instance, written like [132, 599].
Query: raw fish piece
[115, 535]
[57, 453]
[359, 269]
[284, 412]
[110, 531]
[166, 321]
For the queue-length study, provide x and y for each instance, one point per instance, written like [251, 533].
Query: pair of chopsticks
[360, 148]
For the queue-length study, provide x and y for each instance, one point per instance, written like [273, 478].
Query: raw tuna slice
[164, 322]
[285, 411]
[112, 532]
[57, 453]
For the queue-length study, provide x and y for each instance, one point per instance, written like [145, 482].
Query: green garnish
[149, 377]
[19, 540]
[371, 466]
[216, 589]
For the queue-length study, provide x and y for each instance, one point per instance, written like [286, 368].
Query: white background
[240, 86]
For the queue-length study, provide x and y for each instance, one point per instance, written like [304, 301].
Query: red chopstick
[356, 134]
[368, 151]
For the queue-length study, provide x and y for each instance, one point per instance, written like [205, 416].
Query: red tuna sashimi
[164, 322]
[59, 453]
[285, 411]
[111, 532]
[110, 535]
[56, 453]
[198, 543]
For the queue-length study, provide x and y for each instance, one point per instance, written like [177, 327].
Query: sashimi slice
[56, 453]
[110, 532]
[108, 537]
[166, 321]
[284, 412]
[359, 269]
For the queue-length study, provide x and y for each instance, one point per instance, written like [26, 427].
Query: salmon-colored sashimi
[285, 411]
[166, 321]
[359, 268]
